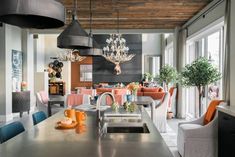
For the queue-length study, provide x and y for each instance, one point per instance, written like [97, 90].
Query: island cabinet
[21, 102]
[226, 135]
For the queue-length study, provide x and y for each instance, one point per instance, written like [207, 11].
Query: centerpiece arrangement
[133, 87]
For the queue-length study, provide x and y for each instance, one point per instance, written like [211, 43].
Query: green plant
[200, 74]
[168, 74]
[148, 76]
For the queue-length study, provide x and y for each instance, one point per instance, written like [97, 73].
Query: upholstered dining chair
[10, 130]
[91, 92]
[199, 138]
[172, 100]
[160, 113]
[38, 117]
[77, 99]
[45, 104]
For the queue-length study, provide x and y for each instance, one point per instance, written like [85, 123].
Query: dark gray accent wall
[103, 71]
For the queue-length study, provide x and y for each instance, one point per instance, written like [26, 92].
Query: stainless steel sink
[125, 128]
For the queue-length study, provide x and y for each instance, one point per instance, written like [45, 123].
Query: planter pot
[170, 115]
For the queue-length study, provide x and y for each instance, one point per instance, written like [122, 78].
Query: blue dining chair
[38, 117]
[10, 130]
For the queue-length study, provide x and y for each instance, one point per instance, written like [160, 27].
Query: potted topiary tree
[200, 74]
[147, 76]
[168, 74]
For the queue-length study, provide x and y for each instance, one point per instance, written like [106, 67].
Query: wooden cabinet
[56, 88]
[20, 102]
[226, 135]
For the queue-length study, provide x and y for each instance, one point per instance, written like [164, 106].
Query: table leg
[49, 109]
[62, 104]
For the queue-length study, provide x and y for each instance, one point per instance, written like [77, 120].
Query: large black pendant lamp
[96, 49]
[74, 36]
[38, 14]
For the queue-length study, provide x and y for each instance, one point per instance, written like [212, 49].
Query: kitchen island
[44, 140]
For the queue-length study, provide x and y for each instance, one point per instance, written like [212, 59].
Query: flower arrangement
[133, 87]
[23, 86]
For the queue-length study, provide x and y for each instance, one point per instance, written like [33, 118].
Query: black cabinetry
[226, 135]
[20, 102]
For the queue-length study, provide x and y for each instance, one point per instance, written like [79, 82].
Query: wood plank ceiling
[135, 14]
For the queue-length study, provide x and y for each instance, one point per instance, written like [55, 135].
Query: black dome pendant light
[74, 36]
[95, 50]
[40, 14]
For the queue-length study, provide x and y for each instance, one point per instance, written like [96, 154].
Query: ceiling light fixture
[70, 55]
[38, 14]
[116, 50]
[74, 36]
[96, 49]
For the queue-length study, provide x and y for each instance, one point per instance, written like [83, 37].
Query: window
[206, 45]
[190, 95]
[169, 56]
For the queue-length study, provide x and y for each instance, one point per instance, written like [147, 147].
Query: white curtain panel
[226, 56]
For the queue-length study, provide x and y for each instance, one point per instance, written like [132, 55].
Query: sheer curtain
[181, 42]
[226, 57]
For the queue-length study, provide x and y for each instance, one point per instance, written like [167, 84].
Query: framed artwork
[17, 66]
[86, 72]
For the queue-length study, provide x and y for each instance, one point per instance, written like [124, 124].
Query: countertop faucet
[99, 103]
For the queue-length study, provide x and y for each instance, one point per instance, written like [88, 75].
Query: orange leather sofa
[156, 93]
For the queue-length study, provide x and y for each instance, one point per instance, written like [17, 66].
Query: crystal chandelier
[116, 50]
[70, 55]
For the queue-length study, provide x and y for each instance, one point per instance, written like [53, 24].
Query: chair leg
[62, 104]
[49, 109]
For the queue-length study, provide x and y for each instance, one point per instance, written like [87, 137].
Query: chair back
[78, 89]
[38, 117]
[74, 99]
[162, 108]
[172, 92]
[10, 130]
[118, 98]
[90, 92]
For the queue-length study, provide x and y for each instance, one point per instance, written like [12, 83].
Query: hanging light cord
[90, 19]
[75, 3]
[118, 21]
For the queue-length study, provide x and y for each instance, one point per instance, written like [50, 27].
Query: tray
[59, 125]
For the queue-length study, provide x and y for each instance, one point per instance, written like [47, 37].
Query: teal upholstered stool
[38, 117]
[10, 130]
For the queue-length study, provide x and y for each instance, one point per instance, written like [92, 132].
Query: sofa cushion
[103, 90]
[150, 89]
[155, 95]
[211, 110]
[86, 91]
[140, 93]
[140, 89]
[160, 89]
[120, 91]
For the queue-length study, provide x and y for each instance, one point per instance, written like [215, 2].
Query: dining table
[44, 140]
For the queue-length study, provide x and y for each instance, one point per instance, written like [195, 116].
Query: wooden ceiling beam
[148, 14]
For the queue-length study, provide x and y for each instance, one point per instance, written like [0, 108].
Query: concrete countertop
[44, 140]
[227, 109]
